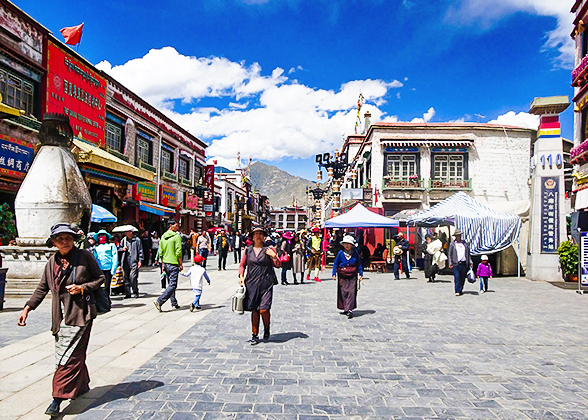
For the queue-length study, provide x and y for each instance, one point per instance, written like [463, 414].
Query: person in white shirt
[197, 275]
[203, 245]
[460, 261]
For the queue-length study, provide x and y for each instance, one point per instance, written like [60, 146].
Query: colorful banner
[144, 191]
[168, 196]
[584, 259]
[74, 89]
[209, 183]
[549, 215]
[191, 201]
[16, 157]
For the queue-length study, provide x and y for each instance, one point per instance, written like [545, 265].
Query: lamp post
[336, 166]
[316, 194]
[240, 204]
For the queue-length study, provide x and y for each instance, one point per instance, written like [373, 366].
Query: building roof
[549, 105]
[448, 125]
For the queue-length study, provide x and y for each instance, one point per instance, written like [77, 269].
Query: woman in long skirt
[430, 267]
[72, 275]
[298, 258]
[348, 272]
[286, 250]
[259, 262]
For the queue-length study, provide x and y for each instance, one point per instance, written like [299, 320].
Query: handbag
[237, 300]
[471, 276]
[103, 304]
[285, 257]
[118, 278]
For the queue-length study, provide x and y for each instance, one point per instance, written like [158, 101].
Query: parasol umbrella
[101, 215]
[124, 228]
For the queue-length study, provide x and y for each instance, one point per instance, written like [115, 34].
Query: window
[16, 92]
[197, 173]
[184, 168]
[114, 137]
[167, 161]
[229, 201]
[448, 167]
[290, 226]
[144, 150]
[280, 217]
[290, 218]
[401, 166]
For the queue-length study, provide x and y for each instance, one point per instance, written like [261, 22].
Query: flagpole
[81, 35]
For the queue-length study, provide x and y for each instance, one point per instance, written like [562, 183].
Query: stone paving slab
[412, 351]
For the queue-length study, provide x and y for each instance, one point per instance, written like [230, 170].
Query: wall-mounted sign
[168, 196]
[584, 259]
[549, 214]
[16, 157]
[76, 90]
[209, 183]
[191, 201]
[144, 191]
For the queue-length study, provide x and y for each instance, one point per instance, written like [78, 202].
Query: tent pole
[519, 259]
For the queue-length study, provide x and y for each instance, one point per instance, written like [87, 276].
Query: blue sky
[278, 80]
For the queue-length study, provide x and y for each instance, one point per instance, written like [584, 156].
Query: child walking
[484, 273]
[197, 273]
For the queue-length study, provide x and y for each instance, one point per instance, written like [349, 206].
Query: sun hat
[58, 228]
[257, 229]
[348, 239]
[198, 258]
[315, 230]
[397, 250]
[484, 257]
[102, 232]
[287, 235]
[457, 232]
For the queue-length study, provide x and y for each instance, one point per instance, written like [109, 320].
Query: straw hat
[457, 232]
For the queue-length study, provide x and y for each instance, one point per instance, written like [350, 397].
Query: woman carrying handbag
[348, 272]
[286, 255]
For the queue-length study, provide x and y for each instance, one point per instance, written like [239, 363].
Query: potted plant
[568, 259]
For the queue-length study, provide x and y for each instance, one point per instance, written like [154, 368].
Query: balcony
[146, 166]
[186, 182]
[169, 176]
[450, 184]
[579, 73]
[403, 183]
[118, 154]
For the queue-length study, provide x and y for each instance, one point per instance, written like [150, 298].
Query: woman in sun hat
[285, 255]
[257, 273]
[106, 254]
[349, 271]
[72, 275]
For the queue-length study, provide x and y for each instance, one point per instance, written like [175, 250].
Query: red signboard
[209, 183]
[191, 201]
[74, 89]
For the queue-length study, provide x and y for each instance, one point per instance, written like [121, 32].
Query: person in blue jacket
[349, 271]
[106, 254]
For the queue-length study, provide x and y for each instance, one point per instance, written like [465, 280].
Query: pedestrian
[72, 275]
[435, 249]
[348, 272]
[131, 260]
[106, 254]
[484, 272]
[314, 251]
[401, 258]
[193, 243]
[204, 244]
[259, 262]
[285, 254]
[460, 261]
[147, 243]
[223, 247]
[170, 255]
[297, 258]
[237, 246]
[430, 268]
[196, 273]
[154, 248]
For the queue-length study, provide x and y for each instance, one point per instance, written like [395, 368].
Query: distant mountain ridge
[281, 188]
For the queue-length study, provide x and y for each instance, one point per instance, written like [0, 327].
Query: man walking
[460, 261]
[401, 259]
[132, 256]
[204, 245]
[223, 246]
[314, 250]
[170, 253]
[237, 244]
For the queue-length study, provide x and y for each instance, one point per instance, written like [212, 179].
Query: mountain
[280, 187]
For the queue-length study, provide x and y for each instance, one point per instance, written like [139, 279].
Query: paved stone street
[413, 351]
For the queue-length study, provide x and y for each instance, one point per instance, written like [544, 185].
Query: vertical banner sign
[16, 157]
[584, 259]
[549, 214]
[74, 89]
[209, 183]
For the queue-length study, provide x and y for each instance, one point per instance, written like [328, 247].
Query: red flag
[178, 206]
[72, 34]
[164, 201]
[376, 195]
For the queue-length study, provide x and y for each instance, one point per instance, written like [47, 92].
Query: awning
[361, 217]
[101, 215]
[96, 156]
[156, 209]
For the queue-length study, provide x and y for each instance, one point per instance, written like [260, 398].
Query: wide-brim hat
[315, 230]
[484, 257]
[457, 232]
[258, 229]
[103, 232]
[59, 228]
[348, 239]
[287, 235]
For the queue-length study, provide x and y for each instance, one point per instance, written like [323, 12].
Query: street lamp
[336, 166]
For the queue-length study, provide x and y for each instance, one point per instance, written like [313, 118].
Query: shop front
[189, 214]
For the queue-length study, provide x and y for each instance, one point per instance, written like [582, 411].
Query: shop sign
[584, 259]
[16, 157]
[191, 201]
[74, 89]
[549, 214]
[167, 196]
[209, 183]
[144, 191]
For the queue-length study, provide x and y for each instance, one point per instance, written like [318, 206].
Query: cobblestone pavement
[412, 351]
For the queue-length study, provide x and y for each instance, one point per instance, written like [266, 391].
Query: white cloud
[484, 13]
[522, 119]
[280, 118]
[426, 116]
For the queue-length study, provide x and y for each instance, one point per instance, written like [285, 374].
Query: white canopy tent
[360, 217]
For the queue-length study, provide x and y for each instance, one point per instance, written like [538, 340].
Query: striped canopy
[486, 231]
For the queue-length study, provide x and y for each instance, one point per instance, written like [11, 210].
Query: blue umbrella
[101, 215]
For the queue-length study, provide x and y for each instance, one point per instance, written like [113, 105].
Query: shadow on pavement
[129, 305]
[283, 337]
[363, 312]
[108, 393]
[11, 310]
